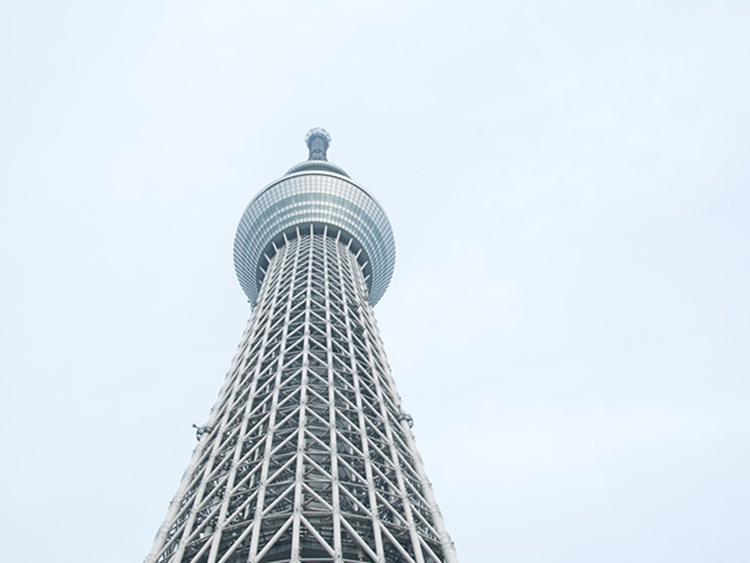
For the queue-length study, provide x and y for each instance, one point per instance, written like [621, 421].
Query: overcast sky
[569, 321]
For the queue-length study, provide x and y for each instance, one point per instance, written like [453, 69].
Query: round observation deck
[318, 193]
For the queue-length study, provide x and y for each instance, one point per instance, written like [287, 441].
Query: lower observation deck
[314, 197]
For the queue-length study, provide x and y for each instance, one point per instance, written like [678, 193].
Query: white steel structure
[308, 455]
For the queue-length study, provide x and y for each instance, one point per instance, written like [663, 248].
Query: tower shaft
[307, 455]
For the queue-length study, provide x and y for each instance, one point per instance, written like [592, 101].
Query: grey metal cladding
[314, 196]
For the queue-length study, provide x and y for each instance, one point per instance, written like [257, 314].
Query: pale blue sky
[569, 320]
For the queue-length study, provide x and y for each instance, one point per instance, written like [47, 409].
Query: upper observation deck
[319, 193]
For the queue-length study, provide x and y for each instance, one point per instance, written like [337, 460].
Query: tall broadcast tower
[308, 455]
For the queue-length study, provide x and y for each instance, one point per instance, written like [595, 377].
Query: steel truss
[308, 455]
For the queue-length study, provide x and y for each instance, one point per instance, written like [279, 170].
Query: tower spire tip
[318, 140]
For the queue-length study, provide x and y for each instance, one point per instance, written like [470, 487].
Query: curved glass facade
[316, 197]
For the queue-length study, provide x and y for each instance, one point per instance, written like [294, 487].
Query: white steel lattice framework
[308, 455]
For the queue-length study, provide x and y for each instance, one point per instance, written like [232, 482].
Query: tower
[307, 455]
